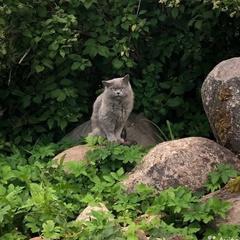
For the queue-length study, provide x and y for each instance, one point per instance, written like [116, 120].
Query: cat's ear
[106, 83]
[126, 78]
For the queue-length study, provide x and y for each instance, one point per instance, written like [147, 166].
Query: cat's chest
[115, 108]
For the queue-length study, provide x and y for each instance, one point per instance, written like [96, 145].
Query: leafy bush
[219, 178]
[53, 56]
[37, 199]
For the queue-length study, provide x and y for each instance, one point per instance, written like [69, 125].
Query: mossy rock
[221, 101]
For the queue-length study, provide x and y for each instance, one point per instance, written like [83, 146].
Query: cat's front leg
[108, 129]
[111, 137]
[96, 132]
[118, 133]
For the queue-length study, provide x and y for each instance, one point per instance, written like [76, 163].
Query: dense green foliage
[37, 199]
[54, 54]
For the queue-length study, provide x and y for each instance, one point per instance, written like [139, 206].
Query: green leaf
[232, 173]
[208, 14]
[174, 102]
[40, 129]
[27, 33]
[91, 50]
[26, 101]
[75, 66]
[198, 24]
[61, 96]
[50, 123]
[37, 39]
[2, 190]
[52, 54]
[125, 25]
[142, 12]
[63, 123]
[87, 3]
[114, 175]
[88, 198]
[103, 51]
[91, 47]
[54, 46]
[215, 176]
[55, 93]
[50, 87]
[62, 20]
[2, 21]
[51, 231]
[48, 226]
[48, 63]
[99, 22]
[17, 92]
[120, 172]
[26, 136]
[41, 11]
[103, 39]
[66, 82]
[224, 177]
[174, 12]
[178, 89]
[39, 68]
[108, 178]
[62, 53]
[117, 63]
[47, 22]
[165, 84]
[223, 167]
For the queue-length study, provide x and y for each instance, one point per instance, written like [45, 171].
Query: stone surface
[185, 162]
[232, 217]
[138, 129]
[221, 101]
[73, 154]
[86, 213]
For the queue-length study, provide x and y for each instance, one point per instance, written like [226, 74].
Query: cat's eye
[116, 89]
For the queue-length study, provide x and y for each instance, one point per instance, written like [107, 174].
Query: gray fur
[112, 108]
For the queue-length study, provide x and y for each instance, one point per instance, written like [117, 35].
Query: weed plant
[38, 199]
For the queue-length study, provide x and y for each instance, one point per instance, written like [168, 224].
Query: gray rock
[138, 129]
[221, 101]
[185, 162]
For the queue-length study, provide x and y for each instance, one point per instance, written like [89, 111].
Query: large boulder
[138, 129]
[221, 102]
[185, 162]
[73, 154]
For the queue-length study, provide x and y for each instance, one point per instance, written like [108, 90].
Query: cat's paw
[129, 143]
[120, 141]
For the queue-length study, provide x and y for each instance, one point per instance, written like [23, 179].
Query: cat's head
[118, 87]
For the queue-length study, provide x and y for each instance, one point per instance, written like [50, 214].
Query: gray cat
[112, 108]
